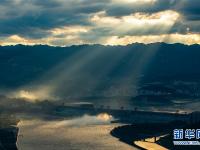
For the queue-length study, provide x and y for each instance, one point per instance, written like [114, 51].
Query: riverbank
[8, 138]
[8, 132]
[153, 135]
[139, 132]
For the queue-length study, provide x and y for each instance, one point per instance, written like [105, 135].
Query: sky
[107, 22]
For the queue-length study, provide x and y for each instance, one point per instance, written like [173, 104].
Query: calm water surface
[86, 133]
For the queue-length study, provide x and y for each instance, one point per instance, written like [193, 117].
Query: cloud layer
[113, 22]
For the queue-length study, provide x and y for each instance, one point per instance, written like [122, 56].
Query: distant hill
[21, 64]
[106, 70]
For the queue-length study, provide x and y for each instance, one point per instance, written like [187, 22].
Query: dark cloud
[25, 17]
[35, 18]
[189, 8]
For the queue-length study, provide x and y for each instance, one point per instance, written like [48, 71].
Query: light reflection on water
[85, 133]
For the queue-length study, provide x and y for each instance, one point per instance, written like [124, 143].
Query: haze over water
[86, 133]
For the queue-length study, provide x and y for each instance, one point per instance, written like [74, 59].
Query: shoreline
[152, 135]
[141, 131]
[8, 131]
[8, 138]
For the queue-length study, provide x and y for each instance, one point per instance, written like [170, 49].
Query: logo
[186, 137]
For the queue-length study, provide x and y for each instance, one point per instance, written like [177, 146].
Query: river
[85, 133]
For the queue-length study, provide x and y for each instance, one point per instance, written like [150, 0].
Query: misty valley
[93, 87]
